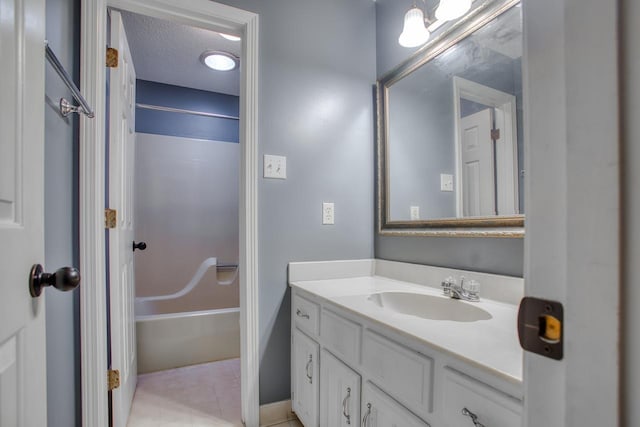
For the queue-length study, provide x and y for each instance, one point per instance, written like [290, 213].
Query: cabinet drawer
[341, 336]
[305, 314]
[403, 373]
[492, 407]
[380, 410]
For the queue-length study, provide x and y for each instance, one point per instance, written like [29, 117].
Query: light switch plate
[328, 213]
[275, 166]
[446, 182]
[415, 212]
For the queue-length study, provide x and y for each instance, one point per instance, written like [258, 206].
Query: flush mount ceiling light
[452, 9]
[230, 37]
[414, 33]
[219, 61]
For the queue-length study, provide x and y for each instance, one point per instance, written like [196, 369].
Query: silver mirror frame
[501, 226]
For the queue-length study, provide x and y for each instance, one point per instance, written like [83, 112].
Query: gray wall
[503, 256]
[61, 220]
[317, 66]
[631, 195]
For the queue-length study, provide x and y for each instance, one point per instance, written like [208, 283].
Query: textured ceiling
[168, 52]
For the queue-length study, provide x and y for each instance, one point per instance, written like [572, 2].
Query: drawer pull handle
[300, 313]
[474, 417]
[309, 365]
[365, 419]
[344, 405]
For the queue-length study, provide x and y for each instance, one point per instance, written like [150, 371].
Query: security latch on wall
[540, 327]
[113, 379]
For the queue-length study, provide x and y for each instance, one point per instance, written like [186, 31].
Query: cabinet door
[339, 393]
[304, 378]
[380, 410]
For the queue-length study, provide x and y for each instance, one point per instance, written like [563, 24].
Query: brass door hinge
[110, 216]
[113, 379]
[112, 57]
[495, 134]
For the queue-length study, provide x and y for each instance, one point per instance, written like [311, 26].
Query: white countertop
[490, 345]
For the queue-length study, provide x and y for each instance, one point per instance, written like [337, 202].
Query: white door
[23, 399]
[304, 393]
[121, 272]
[380, 410]
[478, 183]
[339, 393]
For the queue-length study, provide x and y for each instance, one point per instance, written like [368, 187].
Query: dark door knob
[140, 245]
[64, 279]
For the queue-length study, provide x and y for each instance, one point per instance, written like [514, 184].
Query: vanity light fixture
[414, 33]
[418, 27]
[452, 9]
[230, 37]
[219, 61]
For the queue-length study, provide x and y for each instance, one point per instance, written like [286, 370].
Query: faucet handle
[446, 285]
[473, 288]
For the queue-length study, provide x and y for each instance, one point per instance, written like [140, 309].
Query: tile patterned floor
[206, 395]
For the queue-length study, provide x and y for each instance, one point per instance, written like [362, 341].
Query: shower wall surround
[186, 197]
[186, 210]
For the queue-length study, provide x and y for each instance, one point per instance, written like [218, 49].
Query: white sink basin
[429, 306]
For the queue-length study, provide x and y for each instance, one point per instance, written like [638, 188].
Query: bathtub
[166, 341]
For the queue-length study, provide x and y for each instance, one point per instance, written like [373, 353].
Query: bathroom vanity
[376, 343]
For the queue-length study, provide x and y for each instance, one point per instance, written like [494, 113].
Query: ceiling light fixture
[449, 10]
[414, 33]
[219, 61]
[230, 37]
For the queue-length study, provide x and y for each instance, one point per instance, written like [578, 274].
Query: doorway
[206, 15]
[173, 182]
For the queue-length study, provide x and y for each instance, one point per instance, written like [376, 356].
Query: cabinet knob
[302, 314]
[345, 407]
[365, 419]
[309, 377]
[474, 417]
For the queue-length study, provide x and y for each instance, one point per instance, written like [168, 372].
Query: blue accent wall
[186, 125]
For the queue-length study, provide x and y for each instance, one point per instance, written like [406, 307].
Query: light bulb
[219, 61]
[449, 10]
[414, 33]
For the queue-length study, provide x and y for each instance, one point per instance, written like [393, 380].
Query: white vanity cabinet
[350, 370]
[304, 378]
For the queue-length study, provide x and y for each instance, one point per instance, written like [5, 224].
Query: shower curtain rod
[183, 111]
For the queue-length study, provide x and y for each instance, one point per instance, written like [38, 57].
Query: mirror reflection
[454, 130]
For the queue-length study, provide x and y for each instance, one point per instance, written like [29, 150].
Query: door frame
[93, 317]
[505, 120]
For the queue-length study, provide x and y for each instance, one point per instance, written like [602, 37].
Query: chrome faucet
[467, 290]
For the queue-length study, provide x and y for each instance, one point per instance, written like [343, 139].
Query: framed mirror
[450, 136]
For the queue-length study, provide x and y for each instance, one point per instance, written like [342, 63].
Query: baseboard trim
[276, 413]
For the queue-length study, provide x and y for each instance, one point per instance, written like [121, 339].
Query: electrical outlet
[415, 212]
[275, 167]
[328, 213]
[446, 182]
